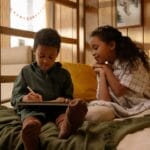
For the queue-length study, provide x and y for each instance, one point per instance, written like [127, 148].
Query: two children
[122, 75]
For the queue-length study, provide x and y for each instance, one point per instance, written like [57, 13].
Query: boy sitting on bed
[49, 81]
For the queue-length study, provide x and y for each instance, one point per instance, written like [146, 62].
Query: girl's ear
[112, 45]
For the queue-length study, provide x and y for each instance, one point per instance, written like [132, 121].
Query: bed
[120, 134]
[90, 136]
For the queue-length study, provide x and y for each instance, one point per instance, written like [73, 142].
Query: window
[30, 17]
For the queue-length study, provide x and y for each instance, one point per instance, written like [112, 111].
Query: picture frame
[128, 13]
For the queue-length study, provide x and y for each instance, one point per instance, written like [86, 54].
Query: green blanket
[91, 136]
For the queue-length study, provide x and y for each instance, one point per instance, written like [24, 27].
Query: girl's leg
[99, 113]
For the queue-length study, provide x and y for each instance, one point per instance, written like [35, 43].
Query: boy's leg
[30, 133]
[72, 119]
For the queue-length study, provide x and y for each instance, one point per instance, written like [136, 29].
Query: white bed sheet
[139, 140]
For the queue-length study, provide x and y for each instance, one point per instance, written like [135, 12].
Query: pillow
[84, 80]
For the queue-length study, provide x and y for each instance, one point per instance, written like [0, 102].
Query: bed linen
[90, 136]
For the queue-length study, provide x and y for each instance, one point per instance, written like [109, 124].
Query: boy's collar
[55, 65]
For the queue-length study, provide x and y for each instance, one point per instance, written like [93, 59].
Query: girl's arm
[113, 82]
[102, 89]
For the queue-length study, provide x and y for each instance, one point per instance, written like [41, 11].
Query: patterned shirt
[137, 81]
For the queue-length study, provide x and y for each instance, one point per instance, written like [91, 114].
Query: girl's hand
[107, 68]
[32, 97]
[99, 71]
[99, 68]
[102, 68]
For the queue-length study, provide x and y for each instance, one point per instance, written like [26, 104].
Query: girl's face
[45, 56]
[102, 51]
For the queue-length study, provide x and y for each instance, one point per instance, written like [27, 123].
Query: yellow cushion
[84, 80]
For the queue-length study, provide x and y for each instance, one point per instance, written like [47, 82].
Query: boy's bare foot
[74, 117]
[30, 132]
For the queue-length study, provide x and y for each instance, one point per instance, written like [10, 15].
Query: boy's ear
[112, 45]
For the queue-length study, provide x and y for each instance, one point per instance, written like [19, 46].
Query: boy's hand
[32, 97]
[61, 100]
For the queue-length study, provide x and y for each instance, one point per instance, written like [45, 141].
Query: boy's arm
[19, 90]
[68, 87]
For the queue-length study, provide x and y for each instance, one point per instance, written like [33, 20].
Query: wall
[4, 13]
[61, 15]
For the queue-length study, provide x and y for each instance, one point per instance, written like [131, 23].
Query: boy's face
[45, 56]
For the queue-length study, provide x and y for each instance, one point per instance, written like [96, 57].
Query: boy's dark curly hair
[126, 49]
[47, 37]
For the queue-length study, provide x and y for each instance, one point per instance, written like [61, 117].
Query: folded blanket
[90, 136]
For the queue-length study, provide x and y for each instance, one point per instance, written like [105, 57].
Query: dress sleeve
[136, 80]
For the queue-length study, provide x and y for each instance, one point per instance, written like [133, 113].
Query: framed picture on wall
[128, 13]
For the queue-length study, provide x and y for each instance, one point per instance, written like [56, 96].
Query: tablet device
[44, 106]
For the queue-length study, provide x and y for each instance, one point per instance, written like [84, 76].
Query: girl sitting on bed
[123, 76]
[49, 81]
